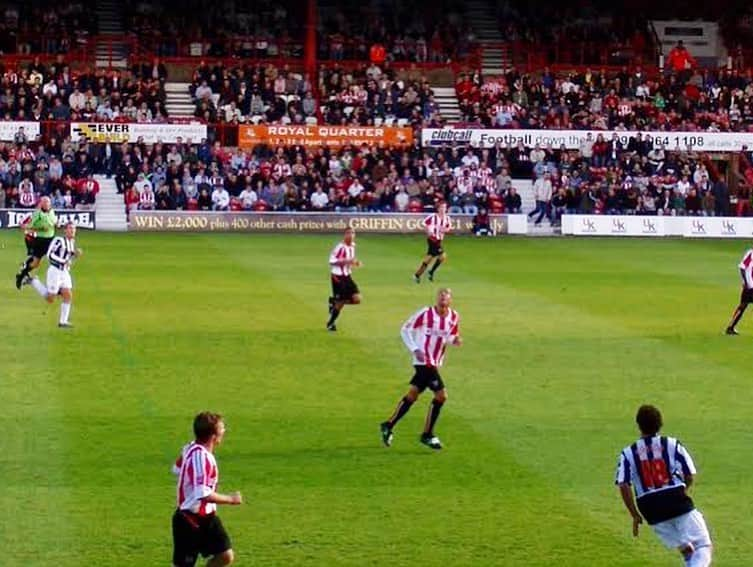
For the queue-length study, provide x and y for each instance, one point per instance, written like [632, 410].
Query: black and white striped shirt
[61, 252]
[656, 467]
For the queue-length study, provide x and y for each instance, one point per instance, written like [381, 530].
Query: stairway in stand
[483, 21]
[110, 49]
[110, 208]
[179, 103]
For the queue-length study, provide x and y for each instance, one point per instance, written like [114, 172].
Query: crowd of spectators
[62, 171]
[54, 92]
[643, 179]
[683, 99]
[268, 94]
[397, 31]
[46, 27]
[242, 28]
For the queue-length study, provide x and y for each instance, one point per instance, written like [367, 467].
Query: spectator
[542, 191]
[513, 201]
[220, 198]
[482, 224]
[319, 199]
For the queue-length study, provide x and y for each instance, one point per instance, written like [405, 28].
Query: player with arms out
[39, 230]
[426, 335]
[345, 291]
[196, 527]
[660, 471]
[60, 256]
[436, 225]
[746, 295]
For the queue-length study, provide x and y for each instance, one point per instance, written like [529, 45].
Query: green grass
[563, 340]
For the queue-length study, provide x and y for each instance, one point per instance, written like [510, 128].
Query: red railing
[565, 55]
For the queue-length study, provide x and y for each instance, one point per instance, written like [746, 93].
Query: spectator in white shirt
[220, 199]
[77, 100]
[319, 199]
[248, 197]
[142, 183]
[50, 87]
[469, 158]
[203, 91]
[402, 200]
[537, 154]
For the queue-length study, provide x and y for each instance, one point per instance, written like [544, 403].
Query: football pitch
[564, 339]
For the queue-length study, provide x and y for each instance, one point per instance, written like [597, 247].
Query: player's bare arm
[627, 499]
[232, 499]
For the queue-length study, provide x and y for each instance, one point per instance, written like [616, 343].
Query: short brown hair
[205, 425]
[649, 419]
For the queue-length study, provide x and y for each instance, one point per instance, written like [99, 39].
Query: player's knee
[50, 298]
[412, 395]
[443, 257]
[441, 396]
[227, 557]
[356, 299]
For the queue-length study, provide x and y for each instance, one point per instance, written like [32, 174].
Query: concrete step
[171, 86]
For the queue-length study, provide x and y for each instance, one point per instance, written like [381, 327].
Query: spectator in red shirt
[377, 54]
[680, 60]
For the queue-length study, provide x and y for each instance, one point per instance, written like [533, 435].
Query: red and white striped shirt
[437, 226]
[340, 253]
[197, 478]
[746, 269]
[428, 331]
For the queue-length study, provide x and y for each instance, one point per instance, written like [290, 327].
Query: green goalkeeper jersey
[43, 223]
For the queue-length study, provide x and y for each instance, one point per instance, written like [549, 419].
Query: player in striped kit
[746, 295]
[426, 335]
[345, 291]
[60, 256]
[436, 225]
[660, 470]
[196, 527]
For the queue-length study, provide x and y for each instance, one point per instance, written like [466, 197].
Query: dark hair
[205, 425]
[648, 419]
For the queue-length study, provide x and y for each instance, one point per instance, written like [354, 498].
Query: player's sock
[421, 269]
[402, 408]
[26, 267]
[432, 416]
[701, 557]
[334, 314]
[435, 267]
[331, 304]
[39, 287]
[65, 311]
[737, 315]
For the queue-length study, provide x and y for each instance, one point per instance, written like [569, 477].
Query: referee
[196, 527]
[39, 231]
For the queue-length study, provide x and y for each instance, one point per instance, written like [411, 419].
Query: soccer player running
[436, 225]
[196, 527]
[661, 470]
[60, 256]
[345, 291]
[39, 231]
[746, 295]
[426, 335]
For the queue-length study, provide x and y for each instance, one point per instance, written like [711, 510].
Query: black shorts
[194, 535]
[434, 247]
[427, 377]
[746, 295]
[39, 246]
[344, 288]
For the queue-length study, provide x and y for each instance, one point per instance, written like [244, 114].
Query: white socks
[701, 557]
[39, 287]
[65, 311]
